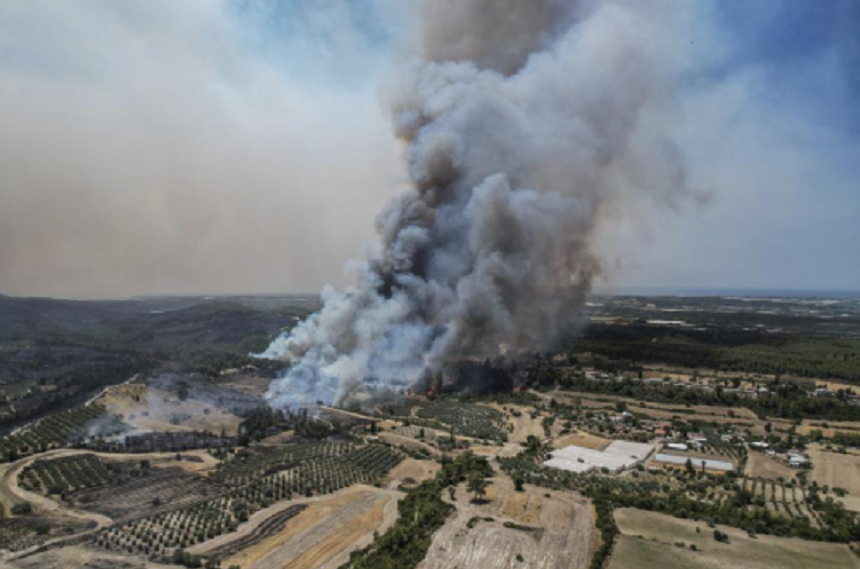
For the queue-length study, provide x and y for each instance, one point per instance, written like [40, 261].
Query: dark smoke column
[524, 125]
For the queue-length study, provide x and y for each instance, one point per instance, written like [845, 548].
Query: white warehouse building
[617, 456]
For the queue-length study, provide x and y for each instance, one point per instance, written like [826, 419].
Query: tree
[477, 484]
[182, 391]
[689, 466]
[518, 483]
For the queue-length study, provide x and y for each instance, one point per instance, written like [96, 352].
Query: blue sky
[244, 146]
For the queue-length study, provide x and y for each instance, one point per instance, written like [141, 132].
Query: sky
[245, 146]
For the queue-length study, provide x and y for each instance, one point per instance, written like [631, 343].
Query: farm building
[709, 464]
[617, 456]
[797, 461]
[677, 446]
[697, 439]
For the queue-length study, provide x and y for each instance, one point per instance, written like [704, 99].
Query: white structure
[797, 461]
[697, 439]
[676, 446]
[696, 462]
[617, 456]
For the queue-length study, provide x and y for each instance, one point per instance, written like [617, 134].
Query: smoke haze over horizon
[245, 146]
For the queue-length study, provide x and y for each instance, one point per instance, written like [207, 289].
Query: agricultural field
[466, 419]
[522, 421]
[134, 493]
[147, 408]
[785, 498]
[760, 465]
[63, 475]
[61, 430]
[508, 529]
[320, 534]
[650, 539]
[829, 428]
[310, 470]
[835, 470]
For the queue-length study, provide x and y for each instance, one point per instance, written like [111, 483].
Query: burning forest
[526, 128]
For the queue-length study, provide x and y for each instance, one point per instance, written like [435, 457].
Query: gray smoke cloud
[526, 124]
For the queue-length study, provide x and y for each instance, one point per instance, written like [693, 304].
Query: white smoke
[526, 124]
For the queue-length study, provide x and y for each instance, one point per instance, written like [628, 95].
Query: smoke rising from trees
[527, 124]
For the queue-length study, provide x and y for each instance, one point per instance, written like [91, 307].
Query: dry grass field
[835, 469]
[524, 425]
[831, 429]
[666, 411]
[321, 535]
[649, 540]
[80, 557]
[759, 465]
[153, 409]
[417, 470]
[581, 439]
[546, 529]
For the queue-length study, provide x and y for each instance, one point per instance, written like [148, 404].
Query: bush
[22, 508]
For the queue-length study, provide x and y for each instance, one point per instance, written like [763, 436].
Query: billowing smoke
[526, 123]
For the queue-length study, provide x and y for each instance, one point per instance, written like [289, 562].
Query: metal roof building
[617, 456]
[697, 462]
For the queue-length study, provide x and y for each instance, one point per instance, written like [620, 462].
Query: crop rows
[135, 391]
[777, 496]
[61, 429]
[466, 419]
[716, 445]
[245, 466]
[414, 432]
[63, 475]
[319, 471]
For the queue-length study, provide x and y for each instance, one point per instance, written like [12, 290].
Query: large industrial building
[615, 457]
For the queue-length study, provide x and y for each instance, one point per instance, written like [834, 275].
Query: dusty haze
[146, 148]
[241, 146]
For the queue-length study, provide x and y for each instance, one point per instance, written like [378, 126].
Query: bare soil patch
[417, 470]
[759, 465]
[319, 534]
[546, 529]
[581, 439]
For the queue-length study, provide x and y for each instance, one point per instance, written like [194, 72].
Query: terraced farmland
[466, 419]
[306, 471]
[60, 430]
[62, 475]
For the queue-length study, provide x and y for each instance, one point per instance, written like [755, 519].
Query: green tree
[477, 484]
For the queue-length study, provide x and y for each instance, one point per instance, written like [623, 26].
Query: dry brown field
[581, 439]
[832, 428]
[322, 535]
[418, 470]
[523, 425]
[759, 465]
[554, 530]
[648, 540]
[835, 470]
[155, 409]
[80, 557]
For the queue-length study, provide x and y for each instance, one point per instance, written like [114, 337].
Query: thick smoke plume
[526, 123]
